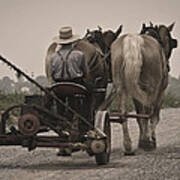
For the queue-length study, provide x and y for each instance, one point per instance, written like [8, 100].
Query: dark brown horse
[140, 70]
[103, 41]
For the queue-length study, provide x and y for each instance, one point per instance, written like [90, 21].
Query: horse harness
[153, 32]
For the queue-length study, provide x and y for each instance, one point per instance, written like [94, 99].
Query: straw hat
[66, 36]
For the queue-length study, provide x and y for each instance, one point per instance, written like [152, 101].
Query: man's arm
[84, 66]
[53, 65]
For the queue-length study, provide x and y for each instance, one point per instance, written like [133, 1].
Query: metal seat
[69, 88]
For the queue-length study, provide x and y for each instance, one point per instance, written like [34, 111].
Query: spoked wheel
[103, 123]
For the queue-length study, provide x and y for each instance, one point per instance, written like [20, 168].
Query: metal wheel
[29, 124]
[102, 122]
[1, 127]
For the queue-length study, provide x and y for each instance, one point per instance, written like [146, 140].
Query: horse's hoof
[132, 153]
[147, 145]
[64, 152]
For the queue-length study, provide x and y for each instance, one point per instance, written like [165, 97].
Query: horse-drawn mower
[64, 111]
[64, 117]
[74, 124]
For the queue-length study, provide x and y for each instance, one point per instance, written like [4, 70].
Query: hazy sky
[28, 26]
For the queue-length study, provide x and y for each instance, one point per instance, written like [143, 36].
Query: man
[68, 64]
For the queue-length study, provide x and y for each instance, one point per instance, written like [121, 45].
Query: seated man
[68, 64]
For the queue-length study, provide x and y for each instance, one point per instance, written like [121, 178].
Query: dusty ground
[43, 164]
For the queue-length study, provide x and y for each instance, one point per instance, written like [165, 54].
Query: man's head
[66, 36]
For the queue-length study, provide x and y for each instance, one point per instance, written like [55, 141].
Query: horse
[98, 75]
[103, 41]
[140, 69]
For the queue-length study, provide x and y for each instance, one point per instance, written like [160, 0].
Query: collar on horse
[153, 32]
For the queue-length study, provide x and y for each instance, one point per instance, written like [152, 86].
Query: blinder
[174, 43]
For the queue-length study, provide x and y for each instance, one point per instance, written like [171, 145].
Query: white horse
[140, 65]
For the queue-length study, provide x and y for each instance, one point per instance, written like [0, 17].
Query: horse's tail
[132, 64]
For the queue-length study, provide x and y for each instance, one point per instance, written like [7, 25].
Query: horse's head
[151, 31]
[163, 35]
[169, 43]
[103, 39]
[96, 37]
[110, 36]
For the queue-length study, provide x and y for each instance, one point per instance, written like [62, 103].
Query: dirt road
[17, 163]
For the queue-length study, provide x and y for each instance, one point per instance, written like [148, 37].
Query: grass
[7, 100]
[170, 100]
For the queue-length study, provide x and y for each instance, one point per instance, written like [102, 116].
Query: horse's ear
[118, 31]
[151, 24]
[100, 28]
[87, 32]
[170, 27]
[143, 26]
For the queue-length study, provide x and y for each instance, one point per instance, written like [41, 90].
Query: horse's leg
[141, 132]
[138, 108]
[145, 130]
[149, 141]
[122, 100]
[146, 142]
[155, 120]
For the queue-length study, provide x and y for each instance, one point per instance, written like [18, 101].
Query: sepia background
[28, 26]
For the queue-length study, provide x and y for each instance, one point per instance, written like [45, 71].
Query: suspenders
[65, 64]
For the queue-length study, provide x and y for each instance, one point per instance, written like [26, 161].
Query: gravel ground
[43, 164]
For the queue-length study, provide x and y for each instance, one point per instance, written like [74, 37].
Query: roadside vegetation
[12, 93]
[7, 100]
[170, 101]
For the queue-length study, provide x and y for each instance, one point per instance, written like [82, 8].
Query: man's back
[68, 64]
